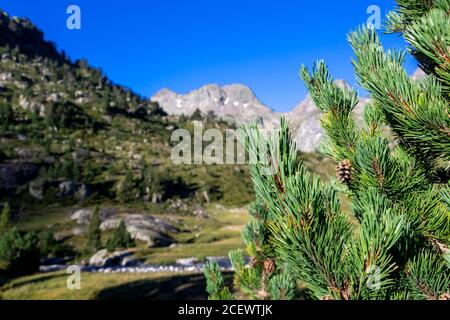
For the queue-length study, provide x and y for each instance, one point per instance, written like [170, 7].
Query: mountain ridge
[238, 103]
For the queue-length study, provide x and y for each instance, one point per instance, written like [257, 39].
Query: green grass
[215, 236]
[52, 286]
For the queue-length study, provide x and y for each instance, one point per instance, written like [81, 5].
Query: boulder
[36, 189]
[109, 224]
[103, 258]
[151, 237]
[78, 231]
[98, 259]
[74, 189]
[15, 175]
[187, 262]
[200, 212]
[154, 231]
[81, 216]
[130, 261]
[223, 262]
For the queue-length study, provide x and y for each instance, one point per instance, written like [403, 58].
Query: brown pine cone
[445, 296]
[269, 266]
[344, 171]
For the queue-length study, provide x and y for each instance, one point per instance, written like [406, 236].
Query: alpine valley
[86, 177]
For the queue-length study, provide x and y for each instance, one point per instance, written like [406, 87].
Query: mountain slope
[68, 134]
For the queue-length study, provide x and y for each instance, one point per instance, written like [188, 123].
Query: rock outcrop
[147, 228]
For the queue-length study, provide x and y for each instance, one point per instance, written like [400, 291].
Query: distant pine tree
[197, 115]
[94, 242]
[126, 187]
[6, 116]
[121, 239]
[49, 243]
[5, 218]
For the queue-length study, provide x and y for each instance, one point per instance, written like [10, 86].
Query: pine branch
[416, 111]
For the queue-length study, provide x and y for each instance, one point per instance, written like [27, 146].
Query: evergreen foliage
[121, 238]
[196, 115]
[51, 247]
[263, 278]
[94, 242]
[20, 250]
[5, 218]
[394, 244]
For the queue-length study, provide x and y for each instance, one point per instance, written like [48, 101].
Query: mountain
[235, 102]
[238, 103]
[305, 121]
[68, 134]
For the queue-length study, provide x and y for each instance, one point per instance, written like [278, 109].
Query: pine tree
[126, 187]
[20, 250]
[196, 115]
[5, 218]
[262, 278]
[94, 242]
[6, 115]
[394, 244]
[121, 238]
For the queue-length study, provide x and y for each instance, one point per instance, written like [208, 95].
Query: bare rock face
[305, 122]
[234, 102]
[239, 104]
[418, 74]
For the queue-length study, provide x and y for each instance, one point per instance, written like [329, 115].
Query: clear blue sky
[182, 45]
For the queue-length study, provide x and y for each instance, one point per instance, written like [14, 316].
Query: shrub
[20, 250]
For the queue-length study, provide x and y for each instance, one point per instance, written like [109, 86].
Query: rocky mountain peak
[241, 93]
[418, 74]
[342, 84]
[235, 102]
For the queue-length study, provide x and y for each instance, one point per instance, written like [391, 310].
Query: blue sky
[150, 44]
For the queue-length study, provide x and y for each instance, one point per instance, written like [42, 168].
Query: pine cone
[445, 296]
[344, 171]
[269, 266]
